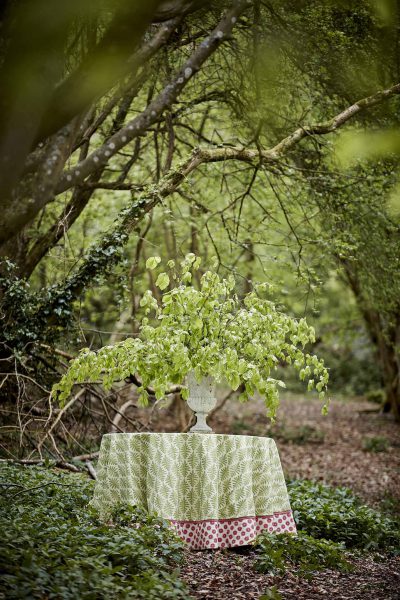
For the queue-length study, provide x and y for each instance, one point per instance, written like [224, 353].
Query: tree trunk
[384, 333]
[388, 356]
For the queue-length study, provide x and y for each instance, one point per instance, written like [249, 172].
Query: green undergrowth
[53, 547]
[336, 514]
[332, 523]
[277, 552]
[375, 444]
[302, 434]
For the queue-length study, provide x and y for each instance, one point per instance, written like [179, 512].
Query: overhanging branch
[102, 256]
[253, 155]
[202, 155]
[140, 124]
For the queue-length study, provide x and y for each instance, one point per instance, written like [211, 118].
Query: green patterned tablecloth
[208, 486]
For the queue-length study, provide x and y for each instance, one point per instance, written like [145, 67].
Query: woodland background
[265, 134]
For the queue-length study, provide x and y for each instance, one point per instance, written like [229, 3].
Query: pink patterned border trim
[225, 533]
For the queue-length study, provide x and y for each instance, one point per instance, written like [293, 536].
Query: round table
[216, 490]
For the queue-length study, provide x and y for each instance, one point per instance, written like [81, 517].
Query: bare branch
[120, 414]
[59, 415]
[91, 470]
[86, 457]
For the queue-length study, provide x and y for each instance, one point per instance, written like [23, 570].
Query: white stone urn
[201, 400]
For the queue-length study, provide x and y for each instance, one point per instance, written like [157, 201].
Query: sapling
[208, 330]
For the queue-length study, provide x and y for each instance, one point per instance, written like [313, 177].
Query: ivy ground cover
[53, 546]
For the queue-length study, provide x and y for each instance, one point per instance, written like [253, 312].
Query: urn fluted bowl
[201, 400]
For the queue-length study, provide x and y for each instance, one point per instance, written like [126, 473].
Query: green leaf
[196, 263]
[197, 323]
[152, 262]
[162, 281]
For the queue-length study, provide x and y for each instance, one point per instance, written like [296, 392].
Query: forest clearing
[200, 300]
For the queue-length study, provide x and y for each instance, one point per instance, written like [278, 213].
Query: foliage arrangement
[52, 546]
[210, 331]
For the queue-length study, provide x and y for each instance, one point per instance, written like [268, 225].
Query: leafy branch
[208, 331]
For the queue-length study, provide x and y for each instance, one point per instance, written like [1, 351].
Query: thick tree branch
[21, 209]
[82, 195]
[101, 69]
[37, 189]
[140, 124]
[202, 155]
[129, 89]
[337, 121]
[253, 155]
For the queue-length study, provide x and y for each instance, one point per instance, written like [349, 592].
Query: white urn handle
[201, 401]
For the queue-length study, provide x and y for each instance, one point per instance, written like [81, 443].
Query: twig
[121, 413]
[57, 351]
[16, 374]
[60, 414]
[221, 404]
[91, 470]
[134, 379]
[86, 457]
[39, 487]
[32, 461]
[9, 485]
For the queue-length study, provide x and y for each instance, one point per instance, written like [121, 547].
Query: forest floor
[331, 448]
[354, 446]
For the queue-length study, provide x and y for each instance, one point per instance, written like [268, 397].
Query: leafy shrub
[378, 396]
[304, 434]
[303, 551]
[375, 444]
[271, 593]
[390, 504]
[53, 546]
[330, 521]
[336, 514]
